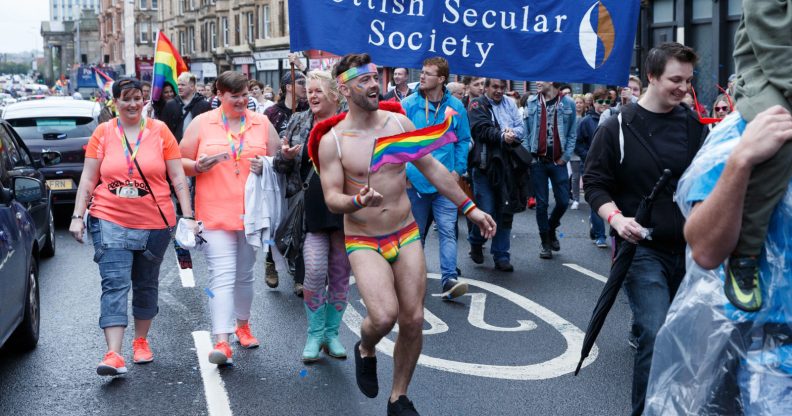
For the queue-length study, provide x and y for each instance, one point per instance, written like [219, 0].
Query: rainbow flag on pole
[168, 65]
[412, 145]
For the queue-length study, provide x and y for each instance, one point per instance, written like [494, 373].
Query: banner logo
[597, 44]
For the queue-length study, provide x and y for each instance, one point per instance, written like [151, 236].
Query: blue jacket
[566, 125]
[453, 155]
[585, 133]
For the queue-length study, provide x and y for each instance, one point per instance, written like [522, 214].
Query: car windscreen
[53, 128]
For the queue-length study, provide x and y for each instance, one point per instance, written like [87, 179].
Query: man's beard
[363, 102]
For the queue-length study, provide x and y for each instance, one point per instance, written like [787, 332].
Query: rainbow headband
[355, 72]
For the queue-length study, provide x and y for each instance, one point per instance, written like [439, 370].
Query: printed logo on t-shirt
[130, 189]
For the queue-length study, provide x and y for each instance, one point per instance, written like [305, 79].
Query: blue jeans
[597, 225]
[435, 207]
[485, 200]
[127, 258]
[541, 172]
[651, 284]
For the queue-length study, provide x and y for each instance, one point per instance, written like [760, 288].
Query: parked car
[17, 161]
[19, 298]
[61, 124]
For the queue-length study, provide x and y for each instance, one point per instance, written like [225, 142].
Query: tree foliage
[14, 68]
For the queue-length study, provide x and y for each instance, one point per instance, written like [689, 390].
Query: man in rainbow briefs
[377, 211]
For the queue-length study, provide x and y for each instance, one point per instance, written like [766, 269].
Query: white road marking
[476, 316]
[564, 363]
[186, 275]
[587, 272]
[214, 388]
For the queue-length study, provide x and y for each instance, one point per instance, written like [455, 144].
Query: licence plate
[61, 184]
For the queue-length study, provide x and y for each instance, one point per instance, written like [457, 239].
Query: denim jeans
[651, 284]
[541, 172]
[485, 199]
[127, 257]
[574, 180]
[597, 225]
[434, 206]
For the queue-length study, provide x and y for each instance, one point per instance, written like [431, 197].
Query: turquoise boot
[316, 333]
[332, 346]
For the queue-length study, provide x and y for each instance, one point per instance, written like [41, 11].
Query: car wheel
[48, 250]
[26, 336]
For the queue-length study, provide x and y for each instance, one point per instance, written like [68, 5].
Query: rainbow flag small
[412, 145]
[168, 65]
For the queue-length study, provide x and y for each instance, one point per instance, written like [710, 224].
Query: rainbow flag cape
[406, 147]
[168, 65]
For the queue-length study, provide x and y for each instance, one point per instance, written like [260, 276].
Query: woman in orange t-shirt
[130, 221]
[221, 148]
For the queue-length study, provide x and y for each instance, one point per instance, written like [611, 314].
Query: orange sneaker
[221, 354]
[141, 351]
[112, 365]
[246, 339]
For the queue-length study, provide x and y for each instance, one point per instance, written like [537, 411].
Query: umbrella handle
[661, 183]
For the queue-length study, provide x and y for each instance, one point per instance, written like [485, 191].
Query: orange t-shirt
[220, 192]
[156, 146]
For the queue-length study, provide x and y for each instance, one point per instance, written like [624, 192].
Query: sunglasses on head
[602, 101]
[724, 108]
[300, 81]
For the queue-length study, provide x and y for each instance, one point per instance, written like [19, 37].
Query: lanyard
[130, 159]
[234, 153]
[437, 110]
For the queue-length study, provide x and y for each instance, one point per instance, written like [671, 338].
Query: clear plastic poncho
[711, 358]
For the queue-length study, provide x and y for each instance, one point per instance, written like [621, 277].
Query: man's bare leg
[410, 281]
[374, 279]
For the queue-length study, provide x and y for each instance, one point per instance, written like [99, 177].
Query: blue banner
[585, 41]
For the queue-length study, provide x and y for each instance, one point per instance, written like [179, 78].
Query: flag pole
[294, 86]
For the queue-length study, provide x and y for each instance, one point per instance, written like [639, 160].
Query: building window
[143, 4]
[182, 42]
[702, 9]
[225, 31]
[154, 4]
[266, 30]
[735, 7]
[213, 35]
[191, 39]
[236, 30]
[663, 11]
[251, 26]
[154, 31]
[144, 32]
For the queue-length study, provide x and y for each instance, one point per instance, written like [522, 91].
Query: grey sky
[20, 24]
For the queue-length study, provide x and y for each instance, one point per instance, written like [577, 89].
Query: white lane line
[587, 272]
[186, 275]
[216, 396]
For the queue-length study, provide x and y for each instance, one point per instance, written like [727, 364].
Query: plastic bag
[711, 358]
[185, 236]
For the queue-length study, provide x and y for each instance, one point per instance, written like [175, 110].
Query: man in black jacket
[495, 127]
[179, 112]
[627, 156]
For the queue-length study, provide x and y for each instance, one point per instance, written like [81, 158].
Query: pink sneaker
[246, 339]
[141, 351]
[112, 365]
[221, 354]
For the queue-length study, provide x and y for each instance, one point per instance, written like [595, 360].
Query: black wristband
[76, 217]
[188, 218]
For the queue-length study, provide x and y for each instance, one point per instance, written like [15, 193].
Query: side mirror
[50, 157]
[27, 189]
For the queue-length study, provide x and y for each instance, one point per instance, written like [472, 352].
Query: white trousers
[231, 260]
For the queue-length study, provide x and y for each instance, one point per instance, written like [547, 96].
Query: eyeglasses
[724, 108]
[603, 101]
[300, 81]
[426, 74]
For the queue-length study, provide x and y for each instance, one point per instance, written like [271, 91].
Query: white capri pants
[231, 260]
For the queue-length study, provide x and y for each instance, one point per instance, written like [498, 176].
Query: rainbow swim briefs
[387, 246]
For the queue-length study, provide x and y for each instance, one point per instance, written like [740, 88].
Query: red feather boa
[320, 129]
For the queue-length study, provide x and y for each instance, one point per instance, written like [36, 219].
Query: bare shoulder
[405, 122]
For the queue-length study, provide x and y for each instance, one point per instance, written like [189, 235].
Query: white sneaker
[575, 205]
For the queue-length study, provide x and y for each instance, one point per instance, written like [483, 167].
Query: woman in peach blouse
[220, 148]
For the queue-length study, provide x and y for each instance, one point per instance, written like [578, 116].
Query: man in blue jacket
[550, 136]
[428, 107]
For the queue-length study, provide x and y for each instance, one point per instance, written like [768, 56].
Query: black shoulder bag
[151, 191]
